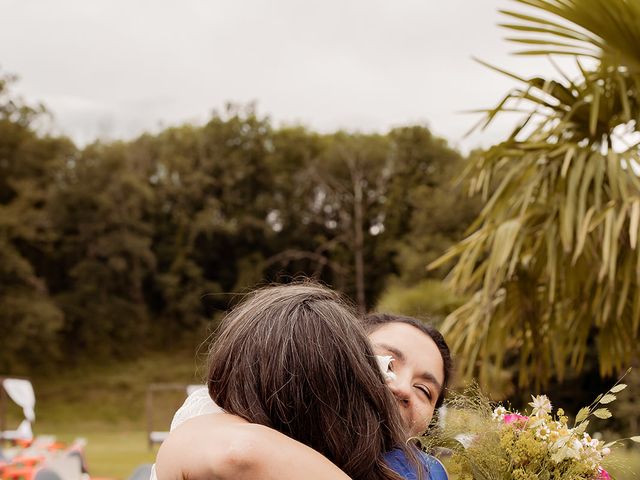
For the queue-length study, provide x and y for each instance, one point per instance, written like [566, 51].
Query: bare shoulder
[202, 447]
[222, 446]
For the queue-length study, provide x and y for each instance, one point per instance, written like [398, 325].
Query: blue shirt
[397, 461]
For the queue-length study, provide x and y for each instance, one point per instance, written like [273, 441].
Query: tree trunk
[358, 239]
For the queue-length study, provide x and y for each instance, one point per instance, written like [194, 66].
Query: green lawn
[106, 405]
[110, 395]
[117, 454]
[114, 454]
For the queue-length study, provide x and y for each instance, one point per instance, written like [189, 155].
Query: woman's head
[421, 367]
[296, 359]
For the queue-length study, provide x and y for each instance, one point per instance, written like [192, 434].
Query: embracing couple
[296, 391]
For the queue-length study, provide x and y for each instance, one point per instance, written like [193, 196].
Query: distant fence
[163, 399]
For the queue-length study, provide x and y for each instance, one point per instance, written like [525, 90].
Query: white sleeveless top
[197, 403]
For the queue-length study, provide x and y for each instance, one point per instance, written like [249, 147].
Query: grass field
[114, 454]
[106, 405]
[109, 395]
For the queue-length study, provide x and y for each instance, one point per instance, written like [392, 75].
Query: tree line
[123, 246]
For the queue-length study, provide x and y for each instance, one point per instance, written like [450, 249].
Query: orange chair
[28, 461]
[56, 446]
[18, 472]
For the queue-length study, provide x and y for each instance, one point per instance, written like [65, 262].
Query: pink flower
[603, 474]
[515, 418]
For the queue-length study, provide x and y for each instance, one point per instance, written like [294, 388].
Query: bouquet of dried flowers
[491, 442]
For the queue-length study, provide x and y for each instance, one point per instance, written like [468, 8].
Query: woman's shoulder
[199, 444]
[437, 471]
[225, 446]
[398, 462]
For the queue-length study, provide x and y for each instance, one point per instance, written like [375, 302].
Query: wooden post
[3, 409]
[149, 417]
[151, 389]
[358, 234]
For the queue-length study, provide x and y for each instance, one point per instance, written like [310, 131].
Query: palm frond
[553, 256]
[609, 30]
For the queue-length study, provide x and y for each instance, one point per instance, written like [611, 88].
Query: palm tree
[552, 261]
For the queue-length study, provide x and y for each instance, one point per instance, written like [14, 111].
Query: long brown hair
[296, 359]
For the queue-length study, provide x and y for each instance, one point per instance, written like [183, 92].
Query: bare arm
[222, 446]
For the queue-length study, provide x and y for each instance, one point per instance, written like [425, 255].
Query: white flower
[384, 363]
[573, 449]
[499, 413]
[465, 439]
[543, 432]
[541, 405]
[537, 422]
[565, 446]
[587, 441]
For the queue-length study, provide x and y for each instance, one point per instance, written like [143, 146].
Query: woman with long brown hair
[296, 360]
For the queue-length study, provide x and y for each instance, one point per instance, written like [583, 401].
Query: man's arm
[222, 446]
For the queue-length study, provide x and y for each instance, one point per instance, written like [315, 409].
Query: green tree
[551, 262]
[212, 188]
[29, 320]
[324, 202]
[426, 210]
[351, 207]
[302, 238]
[180, 181]
[121, 246]
[354, 192]
[101, 211]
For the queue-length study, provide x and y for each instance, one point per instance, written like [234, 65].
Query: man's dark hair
[374, 321]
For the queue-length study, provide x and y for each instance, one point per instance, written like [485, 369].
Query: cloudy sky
[115, 68]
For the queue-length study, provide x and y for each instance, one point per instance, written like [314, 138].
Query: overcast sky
[115, 68]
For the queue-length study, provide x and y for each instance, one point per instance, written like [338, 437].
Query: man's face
[418, 368]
